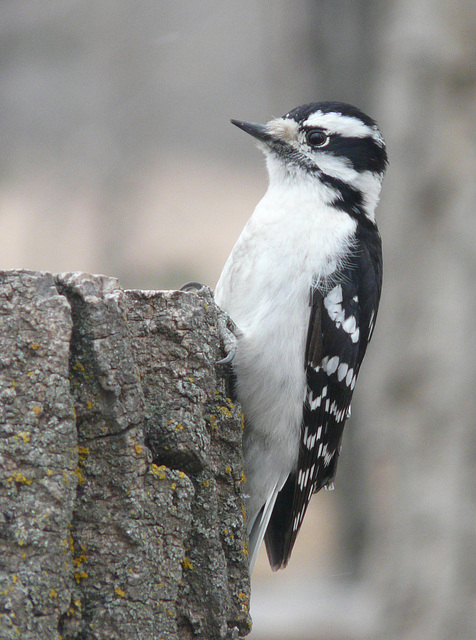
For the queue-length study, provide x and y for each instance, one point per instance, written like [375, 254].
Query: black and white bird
[302, 285]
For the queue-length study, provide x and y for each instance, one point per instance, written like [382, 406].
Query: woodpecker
[302, 285]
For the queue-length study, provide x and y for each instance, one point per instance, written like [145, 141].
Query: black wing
[340, 326]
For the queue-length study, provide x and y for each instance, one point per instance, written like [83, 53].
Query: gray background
[118, 157]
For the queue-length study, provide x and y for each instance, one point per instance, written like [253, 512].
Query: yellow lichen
[37, 410]
[138, 448]
[19, 477]
[79, 560]
[35, 346]
[25, 436]
[225, 410]
[79, 475]
[89, 404]
[244, 601]
[82, 454]
[187, 564]
[49, 472]
[120, 592]
[80, 575]
[53, 593]
[158, 471]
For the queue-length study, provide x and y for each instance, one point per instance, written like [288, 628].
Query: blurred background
[118, 158]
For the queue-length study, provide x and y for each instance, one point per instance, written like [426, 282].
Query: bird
[302, 286]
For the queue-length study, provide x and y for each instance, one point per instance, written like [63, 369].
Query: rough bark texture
[121, 502]
[421, 551]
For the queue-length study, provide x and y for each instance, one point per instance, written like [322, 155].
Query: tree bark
[121, 484]
[421, 444]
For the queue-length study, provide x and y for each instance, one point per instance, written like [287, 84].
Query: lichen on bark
[121, 486]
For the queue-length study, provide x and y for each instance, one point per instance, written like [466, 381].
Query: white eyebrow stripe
[344, 125]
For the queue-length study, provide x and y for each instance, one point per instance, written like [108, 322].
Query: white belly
[265, 288]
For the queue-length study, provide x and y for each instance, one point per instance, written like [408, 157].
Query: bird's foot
[228, 332]
[190, 286]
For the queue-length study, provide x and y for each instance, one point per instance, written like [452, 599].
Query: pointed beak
[258, 131]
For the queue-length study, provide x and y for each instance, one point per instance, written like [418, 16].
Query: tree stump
[121, 482]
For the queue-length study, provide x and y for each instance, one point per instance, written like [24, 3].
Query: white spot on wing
[350, 324]
[342, 371]
[332, 365]
[371, 324]
[333, 305]
[334, 296]
[328, 458]
[313, 404]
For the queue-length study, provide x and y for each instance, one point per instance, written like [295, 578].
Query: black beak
[258, 131]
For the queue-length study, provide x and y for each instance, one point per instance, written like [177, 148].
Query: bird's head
[332, 142]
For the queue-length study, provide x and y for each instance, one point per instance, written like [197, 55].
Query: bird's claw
[227, 329]
[189, 286]
[228, 332]
[227, 359]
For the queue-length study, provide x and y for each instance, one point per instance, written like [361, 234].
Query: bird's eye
[317, 138]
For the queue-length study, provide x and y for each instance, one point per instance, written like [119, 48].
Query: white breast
[292, 238]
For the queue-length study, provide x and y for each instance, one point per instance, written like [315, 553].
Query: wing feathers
[340, 325]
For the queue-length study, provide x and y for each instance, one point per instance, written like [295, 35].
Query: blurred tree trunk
[121, 504]
[420, 446]
[341, 42]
